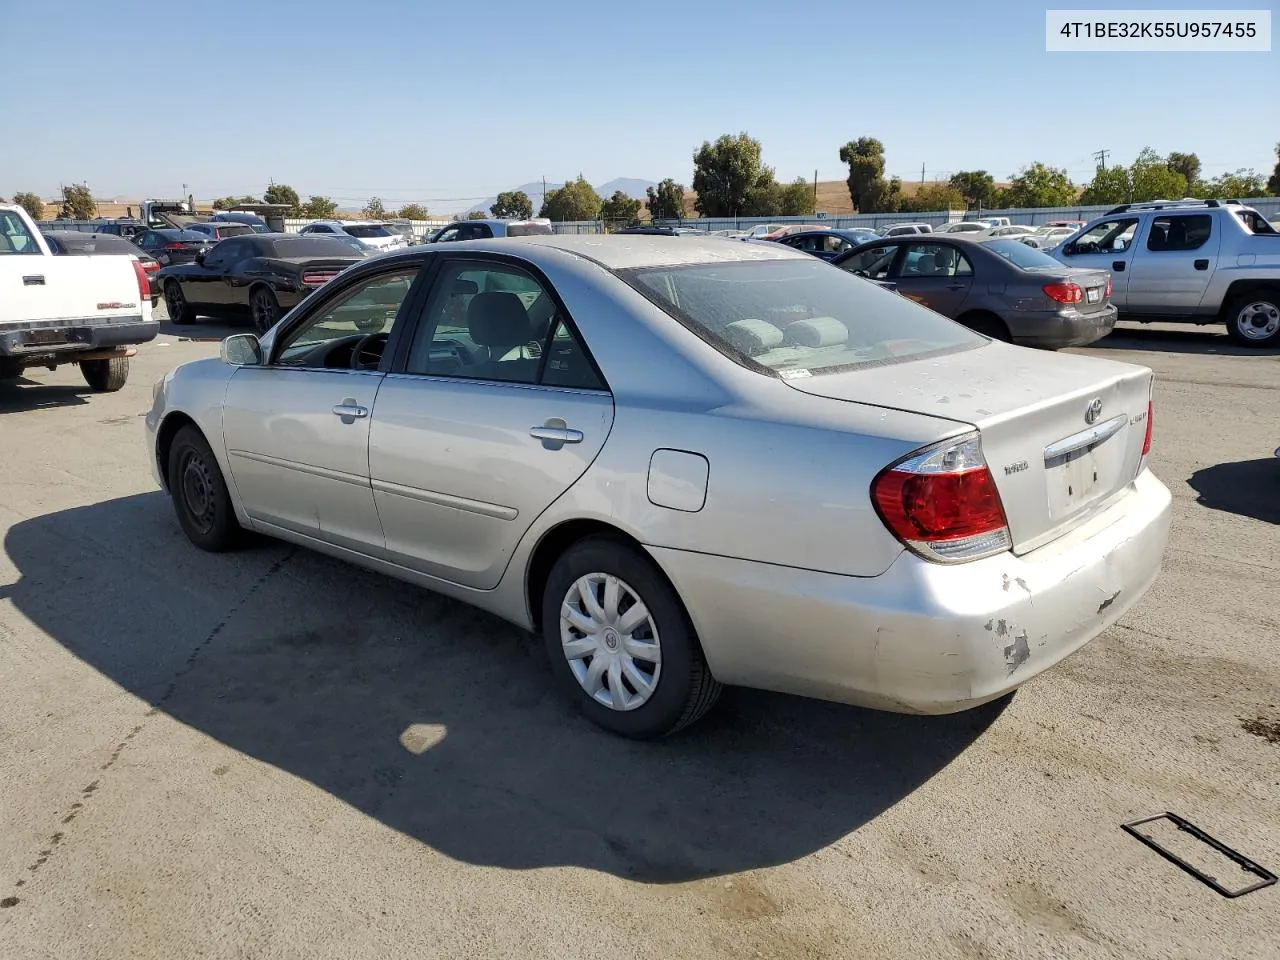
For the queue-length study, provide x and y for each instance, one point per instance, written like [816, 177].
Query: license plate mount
[1093, 294]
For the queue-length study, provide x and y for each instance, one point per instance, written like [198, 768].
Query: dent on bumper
[924, 637]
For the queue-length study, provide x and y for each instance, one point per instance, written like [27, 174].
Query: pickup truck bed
[56, 310]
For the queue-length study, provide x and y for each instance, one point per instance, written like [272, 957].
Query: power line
[1101, 157]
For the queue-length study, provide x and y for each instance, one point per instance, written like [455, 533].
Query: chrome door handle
[349, 408]
[556, 434]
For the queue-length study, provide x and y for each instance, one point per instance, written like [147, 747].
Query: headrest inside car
[753, 337]
[817, 332]
[498, 320]
[463, 288]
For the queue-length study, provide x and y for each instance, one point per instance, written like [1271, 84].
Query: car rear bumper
[1060, 328]
[44, 338]
[924, 637]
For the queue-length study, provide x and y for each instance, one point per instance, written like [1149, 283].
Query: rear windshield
[797, 318]
[1021, 255]
[314, 246]
[368, 230]
[529, 229]
[233, 229]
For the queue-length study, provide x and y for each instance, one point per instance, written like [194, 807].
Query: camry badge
[1093, 411]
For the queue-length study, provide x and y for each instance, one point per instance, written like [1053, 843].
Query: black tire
[987, 324]
[199, 493]
[685, 688]
[105, 376]
[155, 302]
[175, 302]
[1245, 316]
[265, 309]
[10, 369]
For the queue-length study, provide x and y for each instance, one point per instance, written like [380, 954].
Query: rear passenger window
[1184, 232]
[568, 364]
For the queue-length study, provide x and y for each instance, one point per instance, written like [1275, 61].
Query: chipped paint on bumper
[924, 637]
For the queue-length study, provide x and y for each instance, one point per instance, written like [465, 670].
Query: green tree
[933, 197]
[620, 208]
[976, 186]
[764, 198]
[1232, 186]
[77, 203]
[1038, 185]
[224, 203]
[512, 205]
[476, 215]
[374, 210]
[1153, 179]
[576, 200]
[319, 208]
[666, 202]
[868, 189]
[725, 172]
[795, 199]
[1273, 184]
[283, 193]
[30, 203]
[1111, 185]
[412, 211]
[1187, 164]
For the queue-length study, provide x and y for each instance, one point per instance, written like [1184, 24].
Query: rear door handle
[556, 431]
[956, 286]
[349, 409]
[1118, 266]
[1201, 264]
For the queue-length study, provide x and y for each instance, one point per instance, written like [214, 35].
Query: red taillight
[1146, 439]
[175, 246]
[144, 283]
[943, 503]
[1107, 292]
[151, 266]
[1064, 291]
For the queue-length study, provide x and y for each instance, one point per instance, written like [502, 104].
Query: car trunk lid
[1062, 434]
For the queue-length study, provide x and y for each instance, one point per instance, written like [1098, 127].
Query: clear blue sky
[440, 102]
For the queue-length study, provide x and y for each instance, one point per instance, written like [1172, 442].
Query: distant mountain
[631, 186]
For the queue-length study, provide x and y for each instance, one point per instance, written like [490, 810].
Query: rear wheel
[105, 376]
[10, 369]
[199, 493]
[1254, 318]
[621, 643]
[265, 308]
[987, 324]
[175, 304]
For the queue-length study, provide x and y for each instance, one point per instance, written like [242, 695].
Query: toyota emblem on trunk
[1093, 411]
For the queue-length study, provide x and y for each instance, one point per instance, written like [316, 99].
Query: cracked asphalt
[273, 755]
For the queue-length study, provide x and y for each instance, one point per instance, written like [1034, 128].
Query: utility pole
[1101, 157]
[815, 191]
[544, 194]
[922, 174]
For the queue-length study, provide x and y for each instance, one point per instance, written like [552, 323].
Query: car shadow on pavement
[26, 393]
[203, 330]
[1210, 339]
[1250, 488]
[442, 722]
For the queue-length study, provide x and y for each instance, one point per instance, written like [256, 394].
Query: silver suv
[1189, 261]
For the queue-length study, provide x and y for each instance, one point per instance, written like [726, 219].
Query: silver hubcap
[611, 642]
[1259, 320]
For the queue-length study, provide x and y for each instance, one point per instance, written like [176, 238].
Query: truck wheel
[199, 492]
[1254, 318]
[105, 376]
[10, 369]
[175, 302]
[265, 308]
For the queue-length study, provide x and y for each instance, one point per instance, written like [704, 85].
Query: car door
[831, 245]
[1174, 259]
[297, 426]
[206, 284]
[494, 412]
[1107, 245]
[935, 274]
[871, 262]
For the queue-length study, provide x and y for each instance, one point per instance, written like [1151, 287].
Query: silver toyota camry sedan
[685, 463]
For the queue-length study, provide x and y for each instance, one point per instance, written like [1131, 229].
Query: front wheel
[105, 376]
[265, 308]
[1254, 319]
[199, 493]
[621, 642]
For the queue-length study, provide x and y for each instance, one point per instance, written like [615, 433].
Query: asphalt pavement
[271, 754]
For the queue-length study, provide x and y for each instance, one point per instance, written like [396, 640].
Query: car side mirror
[241, 350]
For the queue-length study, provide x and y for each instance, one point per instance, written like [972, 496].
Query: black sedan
[828, 244]
[997, 286]
[260, 274]
[73, 243]
[169, 245]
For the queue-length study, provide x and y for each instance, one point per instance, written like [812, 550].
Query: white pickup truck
[56, 310]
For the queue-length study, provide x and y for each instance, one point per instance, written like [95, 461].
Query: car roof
[630, 251]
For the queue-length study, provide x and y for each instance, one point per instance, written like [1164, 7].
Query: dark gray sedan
[999, 287]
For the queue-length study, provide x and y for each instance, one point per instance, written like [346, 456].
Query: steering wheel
[359, 349]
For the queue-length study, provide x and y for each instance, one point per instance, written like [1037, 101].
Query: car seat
[499, 321]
